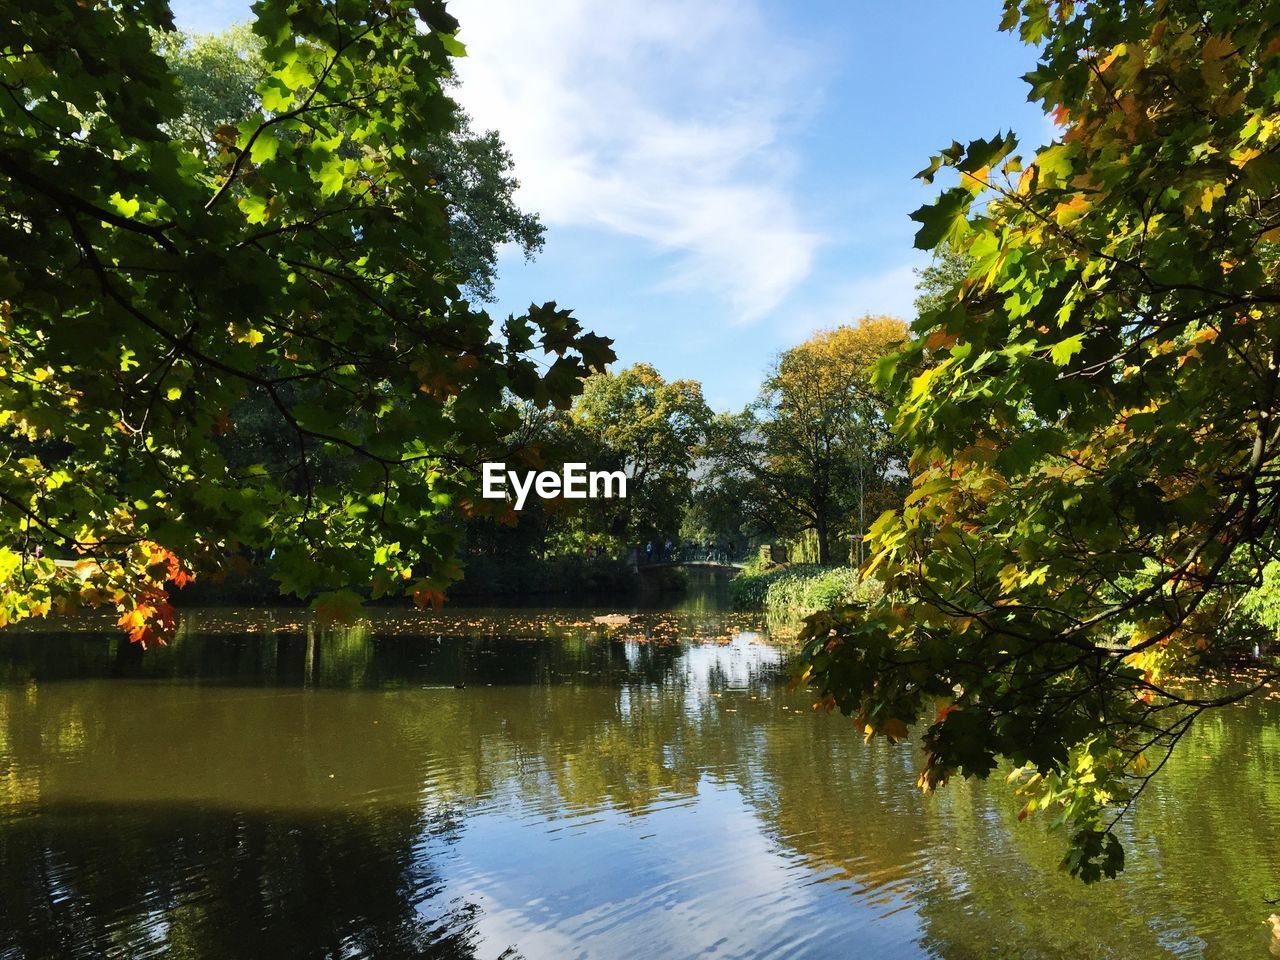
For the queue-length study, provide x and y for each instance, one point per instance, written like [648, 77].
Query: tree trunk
[824, 544]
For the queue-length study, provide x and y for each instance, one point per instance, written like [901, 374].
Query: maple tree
[219, 76]
[149, 284]
[1092, 411]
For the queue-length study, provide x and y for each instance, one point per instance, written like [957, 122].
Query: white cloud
[662, 120]
[891, 292]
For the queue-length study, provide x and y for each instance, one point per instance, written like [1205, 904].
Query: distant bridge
[684, 556]
[710, 564]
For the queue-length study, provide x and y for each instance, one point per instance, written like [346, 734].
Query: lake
[532, 783]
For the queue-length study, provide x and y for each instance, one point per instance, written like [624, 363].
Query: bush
[747, 590]
[802, 588]
[757, 564]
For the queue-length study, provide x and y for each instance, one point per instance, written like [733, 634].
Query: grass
[803, 588]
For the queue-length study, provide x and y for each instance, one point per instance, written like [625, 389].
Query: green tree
[1093, 419]
[814, 448]
[145, 288]
[220, 73]
[938, 283]
[636, 421]
[718, 508]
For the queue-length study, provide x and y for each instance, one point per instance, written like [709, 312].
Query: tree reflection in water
[332, 794]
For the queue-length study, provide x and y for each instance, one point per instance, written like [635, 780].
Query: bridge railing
[689, 553]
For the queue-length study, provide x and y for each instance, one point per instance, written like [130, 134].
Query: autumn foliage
[1092, 414]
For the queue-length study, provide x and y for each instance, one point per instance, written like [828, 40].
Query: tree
[636, 421]
[815, 445]
[220, 74]
[719, 509]
[145, 288]
[938, 282]
[1093, 420]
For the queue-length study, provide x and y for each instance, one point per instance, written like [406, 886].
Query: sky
[721, 178]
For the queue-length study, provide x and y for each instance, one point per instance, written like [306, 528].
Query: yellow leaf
[1068, 213]
[1240, 157]
[1210, 194]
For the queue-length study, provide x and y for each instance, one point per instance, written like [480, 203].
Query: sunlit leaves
[265, 146]
[282, 254]
[332, 175]
[1062, 351]
[814, 452]
[945, 221]
[650, 427]
[1091, 407]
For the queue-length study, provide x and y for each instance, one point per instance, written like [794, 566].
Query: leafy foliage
[147, 285]
[1262, 604]
[633, 421]
[815, 447]
[937, 283]
[219, 76]
[796, 589]
[651, 428]
[1092, 415]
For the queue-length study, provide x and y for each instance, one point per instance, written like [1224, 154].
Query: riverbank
[484, 578]
[798, 589]
[568, 575]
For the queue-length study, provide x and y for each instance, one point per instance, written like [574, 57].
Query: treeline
[809, 464]
[296, 382]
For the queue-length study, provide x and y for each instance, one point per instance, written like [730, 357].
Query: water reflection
[503, 783]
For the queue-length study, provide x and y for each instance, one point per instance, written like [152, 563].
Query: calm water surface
[652, 789]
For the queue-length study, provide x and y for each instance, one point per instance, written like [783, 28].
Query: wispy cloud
[663, 120]
[891, 292]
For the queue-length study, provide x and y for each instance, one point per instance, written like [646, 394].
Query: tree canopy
[936, 283]
[220, 75]
[815, 444]
[637, 421]
[1092, 411]
[148, 285]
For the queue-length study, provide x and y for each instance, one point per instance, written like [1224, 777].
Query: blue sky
[721, 178]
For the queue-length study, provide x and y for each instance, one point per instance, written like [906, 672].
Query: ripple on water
[652, 788]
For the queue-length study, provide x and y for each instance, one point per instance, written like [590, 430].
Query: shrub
[797, 589]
